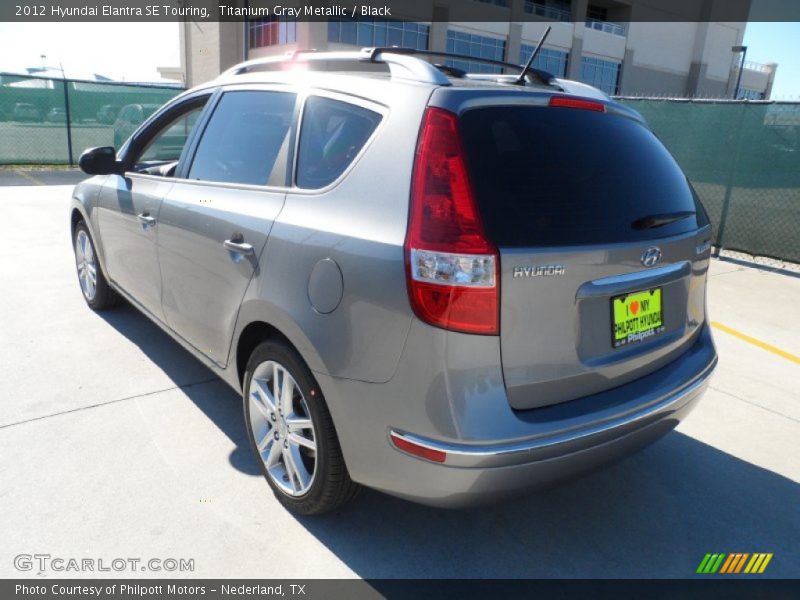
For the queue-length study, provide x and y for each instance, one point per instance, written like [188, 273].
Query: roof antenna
[521, 79]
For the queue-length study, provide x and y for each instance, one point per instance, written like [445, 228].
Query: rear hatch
[602, 246]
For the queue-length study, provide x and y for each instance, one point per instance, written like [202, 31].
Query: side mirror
[99, 161]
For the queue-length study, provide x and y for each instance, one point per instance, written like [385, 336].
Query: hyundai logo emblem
[651, 256]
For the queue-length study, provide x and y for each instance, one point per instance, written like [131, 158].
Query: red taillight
[452, 267]
[567, 102]
[417, 449]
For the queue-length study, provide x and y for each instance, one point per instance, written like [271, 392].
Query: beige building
[606, 43]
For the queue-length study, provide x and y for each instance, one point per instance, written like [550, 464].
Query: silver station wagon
[446, 286]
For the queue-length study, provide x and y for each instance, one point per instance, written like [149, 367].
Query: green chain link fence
[51, 121]
[744, 161]
[742, 157]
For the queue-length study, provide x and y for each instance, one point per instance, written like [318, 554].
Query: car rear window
[331, 136]
[554, 176]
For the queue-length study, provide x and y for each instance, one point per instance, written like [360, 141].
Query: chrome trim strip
[519, 453]
[619, 283]
[639, 275]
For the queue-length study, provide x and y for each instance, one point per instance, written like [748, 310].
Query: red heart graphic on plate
[634, 306]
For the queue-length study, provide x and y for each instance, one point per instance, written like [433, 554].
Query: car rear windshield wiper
[651, 221]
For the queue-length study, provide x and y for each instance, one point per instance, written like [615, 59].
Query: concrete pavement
[114, 442]
[14, 176]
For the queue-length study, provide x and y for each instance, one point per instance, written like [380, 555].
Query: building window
[597, 18]
[495, 2]
[558, 10]
[553, 61]
[746, 94]
[603, 74]
[376, 32]
[272, 31]
[607, 27]
[478, 46]
[597, 13]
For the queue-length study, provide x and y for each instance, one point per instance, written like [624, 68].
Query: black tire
[331, 485]
[104, 297]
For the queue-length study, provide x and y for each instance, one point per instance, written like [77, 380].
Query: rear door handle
[238, 246]
[146, 220]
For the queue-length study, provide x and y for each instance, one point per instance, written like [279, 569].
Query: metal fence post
[729, 184]
[69, 123]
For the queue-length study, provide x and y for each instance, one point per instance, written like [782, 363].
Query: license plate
[636, 317]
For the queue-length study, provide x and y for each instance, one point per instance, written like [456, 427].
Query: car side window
[247, 139]
[331, 136]
[166, 145]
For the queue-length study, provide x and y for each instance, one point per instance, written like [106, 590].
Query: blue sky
[86, 48]
[780, 43]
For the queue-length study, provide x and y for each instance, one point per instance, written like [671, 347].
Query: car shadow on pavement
[215, 398]
[655, 514]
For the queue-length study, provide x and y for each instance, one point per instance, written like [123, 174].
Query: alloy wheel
[87, 268]
[282, 428]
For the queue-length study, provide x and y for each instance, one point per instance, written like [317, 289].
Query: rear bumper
[568, 442]
[494, 452]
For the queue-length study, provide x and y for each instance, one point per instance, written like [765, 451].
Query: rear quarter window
[331, 136]
[555, 176]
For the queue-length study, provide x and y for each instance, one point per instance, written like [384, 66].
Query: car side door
[215, 220]
[129, 203]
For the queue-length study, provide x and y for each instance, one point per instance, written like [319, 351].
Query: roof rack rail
[543, 76]
[400, 65]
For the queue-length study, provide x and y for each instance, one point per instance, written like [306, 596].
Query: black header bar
[416, 589]
[407, 10]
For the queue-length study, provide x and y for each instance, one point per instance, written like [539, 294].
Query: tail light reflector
[419, 450]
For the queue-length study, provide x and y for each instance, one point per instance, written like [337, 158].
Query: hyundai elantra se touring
[445, 286]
